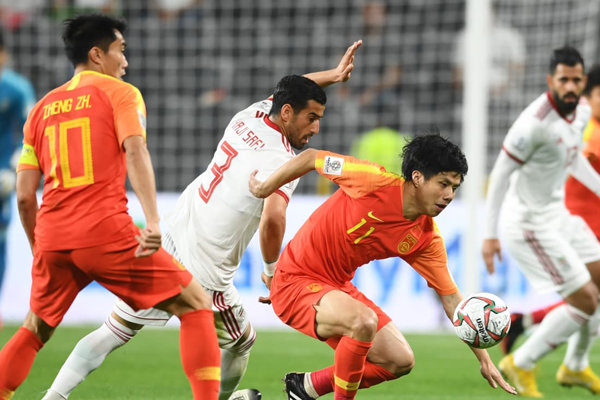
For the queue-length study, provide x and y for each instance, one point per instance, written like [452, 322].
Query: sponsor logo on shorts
[407, 243]
[333, 165]
[314, 287]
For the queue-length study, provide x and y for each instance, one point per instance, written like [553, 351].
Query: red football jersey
[363, 221]
[74, 136]
[579, 199]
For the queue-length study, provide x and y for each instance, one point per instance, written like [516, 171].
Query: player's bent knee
[364, 324]
[585, 299]
[402, 366]
[37, 325]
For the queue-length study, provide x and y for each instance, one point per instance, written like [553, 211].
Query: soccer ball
[481, 320]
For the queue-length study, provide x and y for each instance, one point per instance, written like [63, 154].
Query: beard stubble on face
[566, 107]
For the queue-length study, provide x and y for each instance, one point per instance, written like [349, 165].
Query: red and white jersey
[546, 145]
[216, 216]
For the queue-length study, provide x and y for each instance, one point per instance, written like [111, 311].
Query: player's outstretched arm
[141, 176]
[487, 368]
[341, 73]
[289, 171]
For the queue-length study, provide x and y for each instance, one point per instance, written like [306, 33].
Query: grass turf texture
[149, 368]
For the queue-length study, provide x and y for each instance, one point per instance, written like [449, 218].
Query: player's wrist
[269, 268]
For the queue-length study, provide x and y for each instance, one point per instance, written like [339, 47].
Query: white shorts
[231, 319]
[555, 258]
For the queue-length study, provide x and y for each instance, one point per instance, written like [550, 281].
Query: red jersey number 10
[218, 171]
[81, 125]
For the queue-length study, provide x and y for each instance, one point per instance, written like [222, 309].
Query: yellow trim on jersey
[74, 82]
[208, 374]
[589, 129]
[350, 386]
[353, 166]
[28, 156]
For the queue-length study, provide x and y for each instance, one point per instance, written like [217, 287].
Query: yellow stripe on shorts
[350, 386]
[6, 394]
[208, 374]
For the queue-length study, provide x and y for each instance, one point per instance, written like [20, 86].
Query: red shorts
[293, 298]
[58, 276]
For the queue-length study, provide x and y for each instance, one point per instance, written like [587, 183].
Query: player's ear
[417, 178]
[95, 55]
[286, 113]
[549, 81]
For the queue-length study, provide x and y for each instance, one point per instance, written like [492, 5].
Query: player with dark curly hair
[374, 215]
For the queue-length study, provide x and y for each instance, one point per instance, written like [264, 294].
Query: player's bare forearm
[289, 171]
[272, 227]
[27, 183]
[341, 73]
[141, 176]
[449, 302]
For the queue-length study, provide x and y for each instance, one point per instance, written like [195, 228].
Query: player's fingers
[264, 300]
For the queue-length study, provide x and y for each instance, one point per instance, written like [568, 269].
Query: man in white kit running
[555, 250]
[214, 220]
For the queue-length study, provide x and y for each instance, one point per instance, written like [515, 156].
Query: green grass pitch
[149, 368]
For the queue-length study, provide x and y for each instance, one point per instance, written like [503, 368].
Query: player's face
[594, 99]
[566, 85]
[304, 124]
[437, 192]
[115, 61]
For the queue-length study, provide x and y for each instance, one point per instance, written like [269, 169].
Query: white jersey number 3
[218, 171]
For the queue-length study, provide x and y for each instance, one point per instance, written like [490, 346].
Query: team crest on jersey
[314, 287]
[407, 243]
[333, 165]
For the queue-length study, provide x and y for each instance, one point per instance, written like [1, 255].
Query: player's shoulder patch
[333, 165]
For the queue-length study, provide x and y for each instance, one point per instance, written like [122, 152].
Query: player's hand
[149, 241]
[489, 249]
[267, 281]
[493, 376]
[346, 65]
[256, 187]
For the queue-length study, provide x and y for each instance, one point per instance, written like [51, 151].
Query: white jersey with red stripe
[546, 145]
[216, 216]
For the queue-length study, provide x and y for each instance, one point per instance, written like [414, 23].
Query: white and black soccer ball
[481, 320]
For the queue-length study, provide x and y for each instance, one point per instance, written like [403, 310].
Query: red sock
[16, 359]
[322, 380]
[538, 315]
[200, 354]
[348, 367]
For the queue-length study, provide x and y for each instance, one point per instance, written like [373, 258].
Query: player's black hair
[1, 39]
[431, 154]
[566, 55]
[83, 32]
[296, 91]
[593, 79]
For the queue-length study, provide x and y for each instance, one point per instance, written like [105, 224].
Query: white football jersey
[546, 144]
[216, 216]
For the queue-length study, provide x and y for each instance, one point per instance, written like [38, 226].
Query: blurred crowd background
[198, 62]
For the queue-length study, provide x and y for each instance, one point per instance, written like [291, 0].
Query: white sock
[234, 362]
[309, 387]
[578, 349]
[87, 355]
[555, 329]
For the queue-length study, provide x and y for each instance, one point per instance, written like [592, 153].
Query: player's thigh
[547, 259]
[585, 243]
[56, 281]
[145, 316]
[141, 282]
[231, 318]
[391, 350]
[340, 314]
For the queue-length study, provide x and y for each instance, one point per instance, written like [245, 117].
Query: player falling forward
[214, 220]
[374, 215]
[557, 251]
[85, 137]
